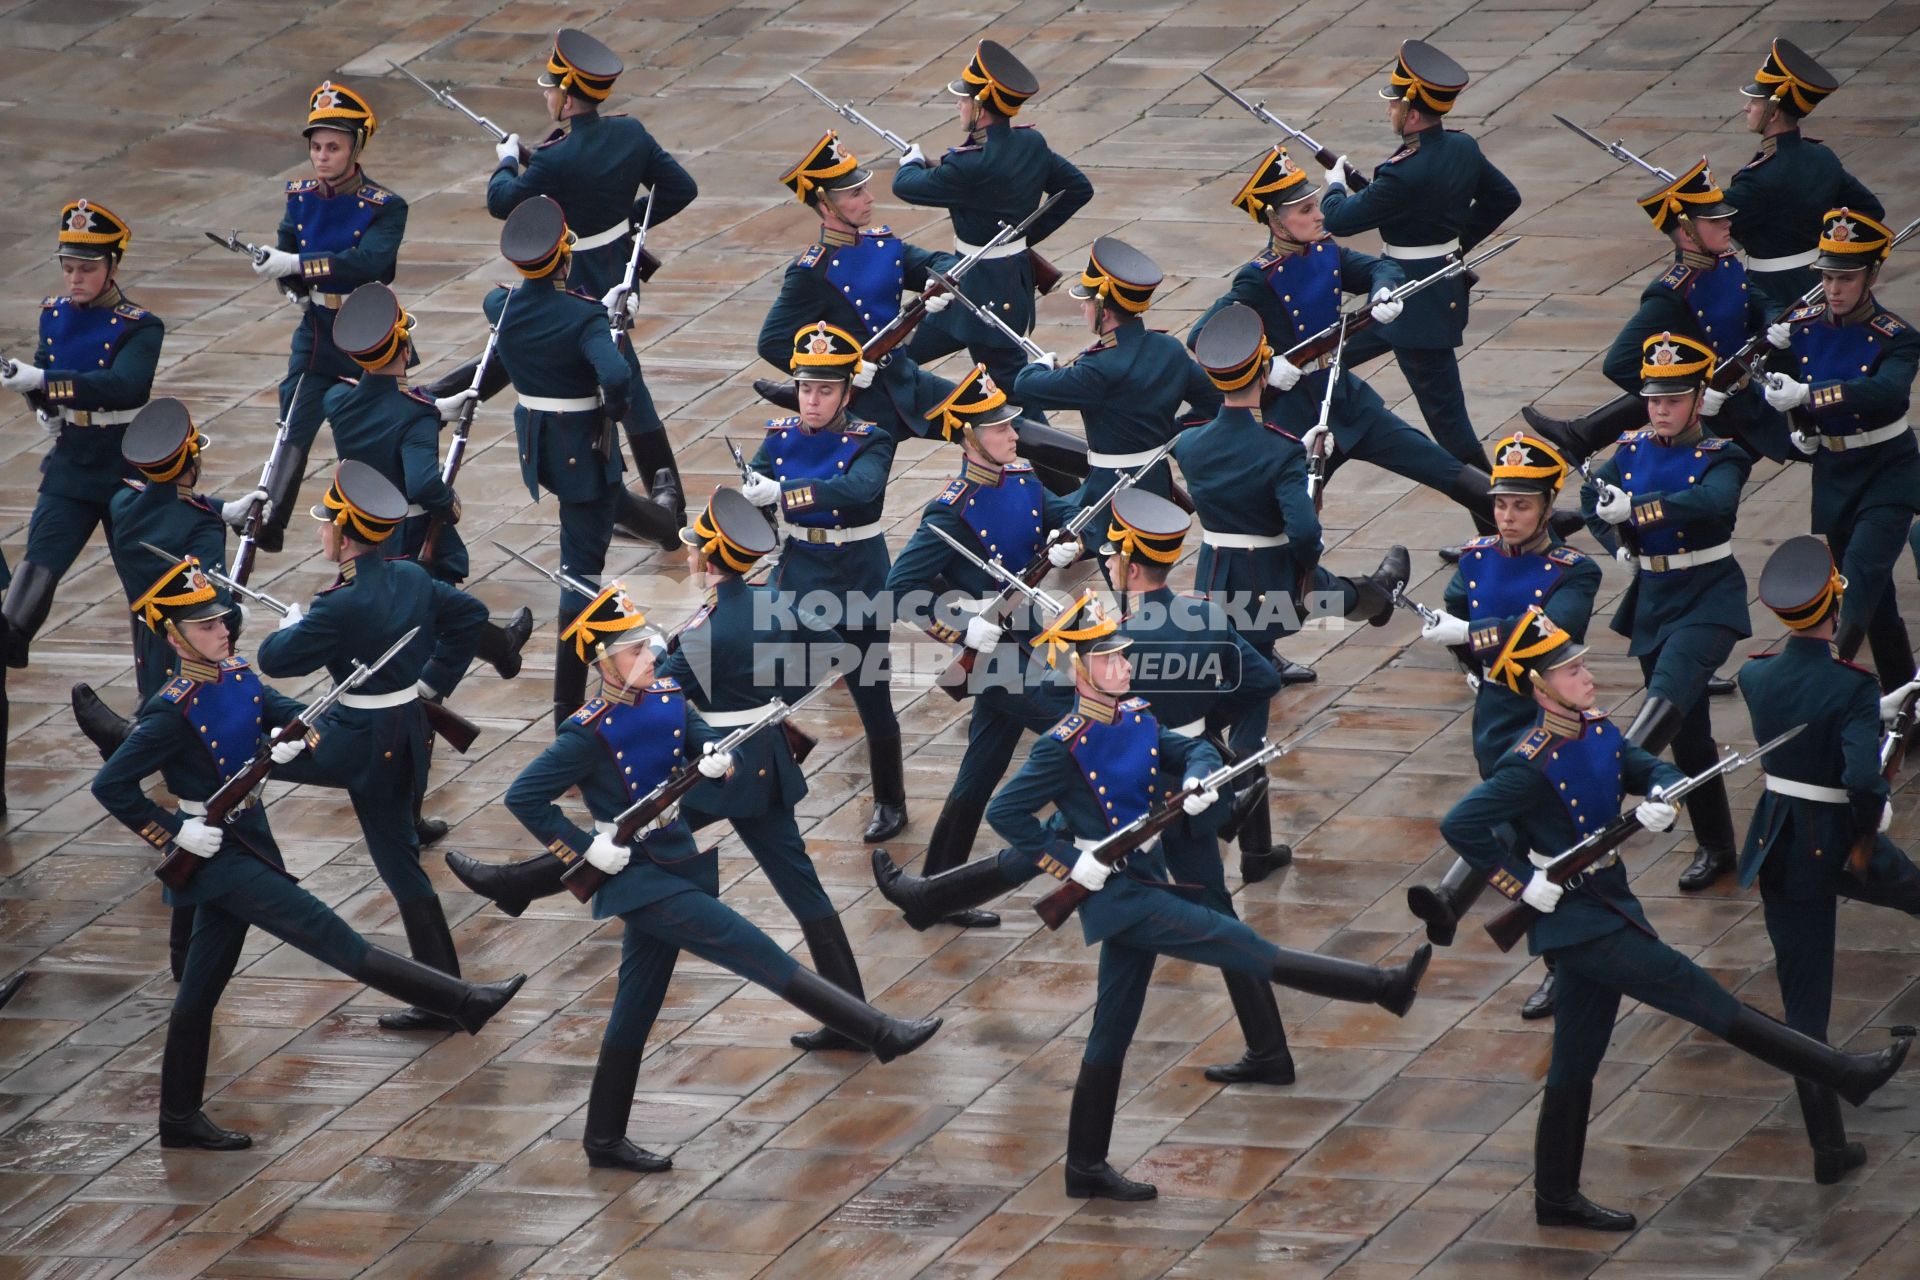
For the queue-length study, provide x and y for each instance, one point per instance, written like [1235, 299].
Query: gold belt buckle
[78, 417]
[817, 535]
[1657, 564]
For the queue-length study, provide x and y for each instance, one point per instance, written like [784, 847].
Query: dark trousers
[1380, 436]
[60, 527]
[1433, 375]
[1866, 550]
[271, 902]
[586, 531]
[1678, 671]
[773, 838]
[1594, 975]
[1803, 930]
[655, 936]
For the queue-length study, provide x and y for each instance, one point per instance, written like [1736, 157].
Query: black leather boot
[1266, 1060]
[1292, 673]
[1719, 686]
[1854, 1076]
[179, 938]
[1373, 594]
[431, 943]
[510, 886]
[1833, 1156]
[785, 395]
[609, 1105]
[654, 462]
[1469, 488]
[1539, 1004]
[1559, 1149]
[1654, 725]
[466, 1005]
[1713, 827]
[104, 727]
[29, 600]
[833, 961]
[1096, 1095]
[950, 845]
[569, 684]
[854, 1020]
[500, 646]
[1847, 639]
[283, 491]
[1443, 907]
[1392, 987]
[183, 1078]
[936, 899]
[646, 519]
[1260, 855]
[889, 773]
[1578, 439]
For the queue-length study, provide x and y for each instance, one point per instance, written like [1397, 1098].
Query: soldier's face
[628, 668]
[1572, 683]
[84, 278]
[1844, 289]
[331, 153]
[1670, 415]
[330, 540]
[1714, 235]
[1518, 516]
[1755, 112]
[999, 443]
[1303, 222]
[206, 638]
[1397, 115]
[556, 101]
[821, 402]
[855, 207]
[1108, 673]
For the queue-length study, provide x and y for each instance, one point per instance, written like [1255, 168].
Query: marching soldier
[340, 231]
[825, 473]
[200, 729]
[1666, 503]
[1199, 676]
[745, 647]
[1499, 578]
[1852, 366]
[593, 166]
[91, 372]
[663, 887]
[373, 743]
[1129, 385]
[395, 430]
[1560, 782]
[1781, 193]
[1825, 796]
[1259, 534]
[571, 384]
[1000, 174]
[1434, 198]
[852, 278]
[1105, 764]
[999, 507]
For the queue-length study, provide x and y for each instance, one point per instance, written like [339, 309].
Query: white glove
[282, 752]
[863, 376]
[1089, 872]
[1200, 801]
[1284, 376]
[25, 377]
[1315, 434]
[1807, 444]
[1615, 505]
[1780, 335]
[1046, 360]
[607, 854]
[982, 633]
[1063, 552]
[1886, 816]
[198, 839]
[1623, 555]
[1711, 402]
[274, 264]
[234, 514]
[761, 491]
[1783, 393]
[939, 302]
[1386, 307]
[912, 155]
[621, 299]
[1542, 894]
[1445, 629]
[427, 692]
[294, 614]
[507, 149]
[1654, 813]
[1890, 703]
[49, 422]
[1339, 175]
[714, 764]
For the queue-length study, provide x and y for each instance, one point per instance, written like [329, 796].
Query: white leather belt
[1792, 262]
[198, 808]
[1242, 541]
[1192, 728]
[1542, 861]
[735, 719]
[1861, 439]
[1011, 249]
[668, 816]
[1684, 559]
[832, 537]
[561, 404]
[1411, 252]
[379, 701]
[1119, 461]
[97, 417]
[1806, 790]
[599, 238]
[330, 301]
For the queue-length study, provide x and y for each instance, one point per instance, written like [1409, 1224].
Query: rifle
[257, 509]
[618, 321]
[1462, 655]
[1033, 350]
[293, 288]
[1628, 535]
[1893, 754]
[908, 318]
[1045, 274]
[953, 681]
[1618, 150]
[234, 585]
[1058, 906]
[1569, 868]
[462, 428]
[179, 866]
[36, 399]
[739, 459]
[1317, 460]
[1258, 110]
[1360, 319]
[446, 99]
[1009, 582]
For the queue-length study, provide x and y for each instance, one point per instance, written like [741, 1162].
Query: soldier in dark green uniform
[1781, 193]
[1524, 566]
[824, 472]
[341, 229]
[616, 749]
[1432, 200]
[91, 372]
[1825, 798]
[1849, 377]
[593, 166]
[200, 729]
[1000, 174]
[1666, 503]
[1560, 783]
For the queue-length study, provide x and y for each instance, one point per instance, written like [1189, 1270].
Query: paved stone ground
[1404, 1149]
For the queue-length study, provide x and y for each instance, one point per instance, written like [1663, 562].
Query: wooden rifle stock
[1058, 907]
[458, 731]
[1046, 276]
[1511, 925]
[177, 869]
[953, 681]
